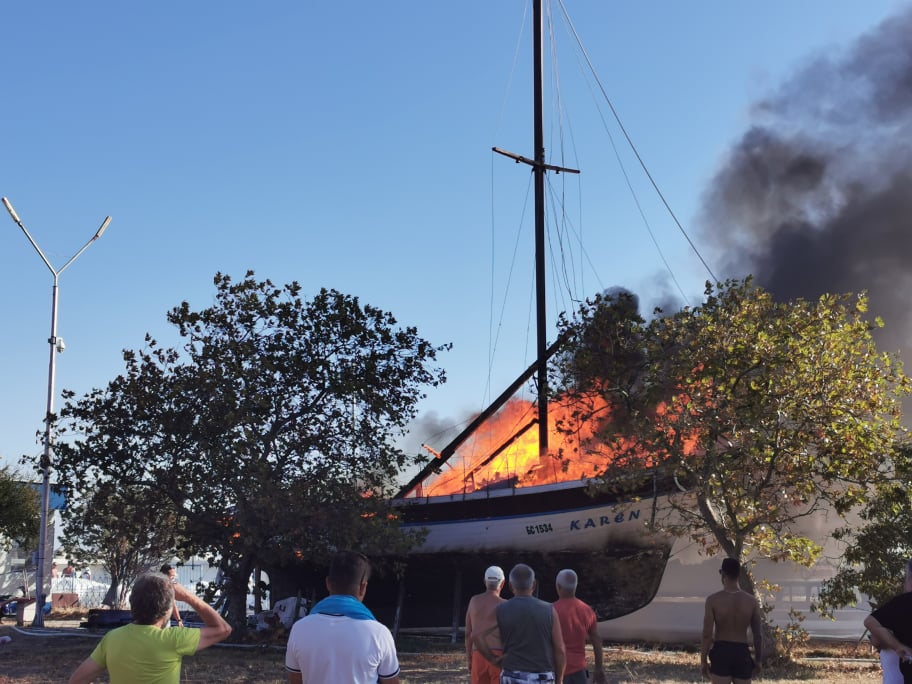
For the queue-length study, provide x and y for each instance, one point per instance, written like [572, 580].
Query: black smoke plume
[817, 195]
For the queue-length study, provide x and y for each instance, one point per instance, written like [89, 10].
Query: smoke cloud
[817, 195]
[430, 428]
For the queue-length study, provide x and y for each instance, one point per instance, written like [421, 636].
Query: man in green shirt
[144, 652]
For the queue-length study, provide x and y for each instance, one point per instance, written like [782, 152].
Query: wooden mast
[543, 351]
[539, 168]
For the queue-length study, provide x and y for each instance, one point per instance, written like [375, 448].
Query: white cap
[494, 573]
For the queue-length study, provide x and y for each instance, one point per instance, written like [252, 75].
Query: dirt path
[38, 657]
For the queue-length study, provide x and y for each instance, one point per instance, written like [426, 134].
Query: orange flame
[505, 449]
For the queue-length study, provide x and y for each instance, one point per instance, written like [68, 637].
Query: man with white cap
[480, 617]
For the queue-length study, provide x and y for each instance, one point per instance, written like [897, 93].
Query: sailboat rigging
[539, 168]
[490, 511]
[487, 514]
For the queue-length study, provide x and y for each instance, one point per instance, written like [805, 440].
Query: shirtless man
[480, 617]
[728, 615]
[891, 633]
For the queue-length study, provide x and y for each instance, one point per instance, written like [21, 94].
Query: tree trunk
[770, 644]
[289, 581]
[282, 584]
[236, 586]
[257, 595]
[112, 597]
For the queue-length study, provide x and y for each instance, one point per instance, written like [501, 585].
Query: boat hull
[549, 518]
[551, 527]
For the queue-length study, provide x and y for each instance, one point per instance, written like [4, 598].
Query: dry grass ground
[39, 658]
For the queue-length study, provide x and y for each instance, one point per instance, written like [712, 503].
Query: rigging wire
[560, 198]
[636, 201]
[633, 147]
[494, 330]
[557, 256]
[565, 232]
[584, 254]
[512, 268]
[561, 220]
[642, 213]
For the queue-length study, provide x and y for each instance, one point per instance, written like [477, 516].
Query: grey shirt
[525, 625]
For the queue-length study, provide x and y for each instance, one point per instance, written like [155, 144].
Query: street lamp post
[57, 346]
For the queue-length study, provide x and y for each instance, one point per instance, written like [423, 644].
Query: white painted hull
[675, 614]
[580, 525]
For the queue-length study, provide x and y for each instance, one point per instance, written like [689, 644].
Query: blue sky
[347, 145]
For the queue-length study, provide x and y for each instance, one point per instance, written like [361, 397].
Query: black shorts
[731, 659]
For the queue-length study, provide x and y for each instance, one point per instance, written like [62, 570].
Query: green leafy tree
[19, 514]
[127, 529]
[876, 550]
[761, 412]
[276, 420]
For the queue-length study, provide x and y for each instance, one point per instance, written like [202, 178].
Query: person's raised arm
[216, 629]
[557, 644]
[175, 613]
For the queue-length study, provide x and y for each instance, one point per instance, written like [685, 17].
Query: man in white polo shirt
[341, 640]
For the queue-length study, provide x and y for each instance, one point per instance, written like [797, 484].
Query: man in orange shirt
[578, 624]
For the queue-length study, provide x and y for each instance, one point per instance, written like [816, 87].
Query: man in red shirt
[578, 624]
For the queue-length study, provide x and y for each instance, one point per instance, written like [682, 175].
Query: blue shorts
[731, 659]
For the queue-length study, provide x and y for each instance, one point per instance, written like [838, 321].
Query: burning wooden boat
[490, 497]
[502, 493]
[550, 527]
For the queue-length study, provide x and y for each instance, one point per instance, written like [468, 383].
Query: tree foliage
[762, 412]
[129, 530]
[19, 511]
[876, 550]
[271, 432]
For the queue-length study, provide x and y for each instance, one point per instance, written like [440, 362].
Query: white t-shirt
[330, 648]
